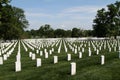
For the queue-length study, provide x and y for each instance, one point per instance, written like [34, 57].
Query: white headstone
[80, 54]
[38, 62]
[17, 57]
[115, 49]
[30, 54]
[50, 51]
[46, 55]
[83, 49]
[119, 54]
[37, 51]
[66, 50]
[73, 68]
[0, 53]
[97, 51]
[102, 59]
[41, 53]
[75, 51]
[69, 57]
[1, 60]
[45, 50]
[89, 52]
[55, 59]
[17, 66]
[5, 57]
[33, 56]
[109, 49]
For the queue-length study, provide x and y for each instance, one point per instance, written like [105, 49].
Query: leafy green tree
[100, 26]
[114, 18]
[13, 22]
[68, 33]
[107, 22]
[75, 32]
[46, 31]
[59, 33]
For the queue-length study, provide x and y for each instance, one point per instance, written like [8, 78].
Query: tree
[2, 4]
[114, 18]
[107, 22]
[13, 22]
[59, 33]
[75, 32]
[46, 31]
[100, 26]
[68, 33]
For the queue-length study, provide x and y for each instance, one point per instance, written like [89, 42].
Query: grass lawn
[88, 68]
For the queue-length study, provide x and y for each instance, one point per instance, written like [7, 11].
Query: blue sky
[64, 14]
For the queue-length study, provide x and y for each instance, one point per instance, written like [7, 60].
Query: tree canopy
[13, 22]
[107, 22]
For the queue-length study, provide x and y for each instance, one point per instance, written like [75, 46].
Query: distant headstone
[55, 59]
[75, 51]
[89, 52]
[50, 51]
[73, 68]
[83, 49]
[46, 55]
[37, 51]
[97, 51]
[102, 59]
[1, 60]
[17, 66]
[80, 54]
[30, 54]
[33, 56]
[68, 57]
[5, 57]
[38, 62]
[41, 53]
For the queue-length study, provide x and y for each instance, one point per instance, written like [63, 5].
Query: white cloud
[81, 9]
[38, 15]
[80, 16]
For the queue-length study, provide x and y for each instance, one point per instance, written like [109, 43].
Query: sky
[62, 14]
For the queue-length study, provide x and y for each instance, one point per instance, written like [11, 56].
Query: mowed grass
[88, 68]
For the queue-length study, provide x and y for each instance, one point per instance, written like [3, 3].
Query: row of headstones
[4, 45]
[32, 55]
[18, 59]
[98, 43]
[75, 49]
[38, 46]
[46, 53]
[4, 50]
[8, 53]
[26, 49]
[73, 65]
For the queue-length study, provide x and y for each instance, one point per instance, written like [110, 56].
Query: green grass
[88, 68]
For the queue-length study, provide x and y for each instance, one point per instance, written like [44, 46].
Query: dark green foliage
[59, 33]
[107, 22]
[13, 22]
[46, 31]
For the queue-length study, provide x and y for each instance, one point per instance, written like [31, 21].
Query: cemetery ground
[88, 65]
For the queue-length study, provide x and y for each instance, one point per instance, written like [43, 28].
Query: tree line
[46, 31]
